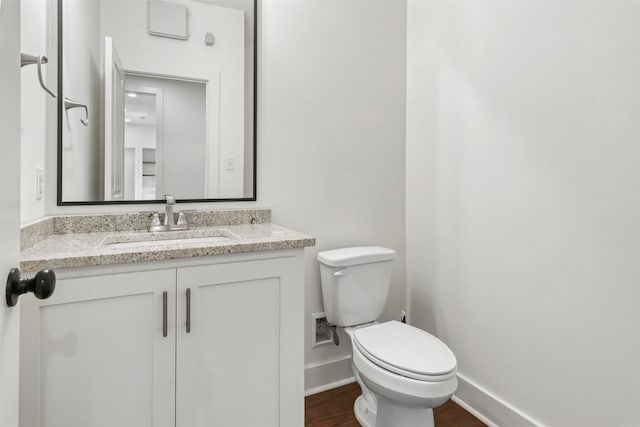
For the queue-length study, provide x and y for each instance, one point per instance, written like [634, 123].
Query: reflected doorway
[165, 138]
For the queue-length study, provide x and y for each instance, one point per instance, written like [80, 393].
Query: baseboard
[489, 408]
[326, 375]
[484, 405]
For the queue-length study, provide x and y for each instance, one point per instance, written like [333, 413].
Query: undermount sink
[145, 239]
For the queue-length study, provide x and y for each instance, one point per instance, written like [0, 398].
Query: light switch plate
[39, 183]
[230, 163]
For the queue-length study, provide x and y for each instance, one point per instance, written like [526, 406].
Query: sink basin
[143, 239]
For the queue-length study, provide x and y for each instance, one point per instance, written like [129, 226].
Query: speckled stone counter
[62, 250]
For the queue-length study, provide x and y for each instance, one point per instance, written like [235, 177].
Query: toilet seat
[400, 388]
[406, 350]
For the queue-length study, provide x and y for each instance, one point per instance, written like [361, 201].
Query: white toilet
[404, 372]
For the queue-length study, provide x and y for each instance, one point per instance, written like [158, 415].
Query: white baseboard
[324, 376]
[489, 408]
[484, 405]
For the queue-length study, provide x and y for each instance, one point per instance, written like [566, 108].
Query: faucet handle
[155, 223]
[155, 219]
[181, 219]
[170, 199]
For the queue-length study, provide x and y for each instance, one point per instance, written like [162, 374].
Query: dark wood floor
[334, 408]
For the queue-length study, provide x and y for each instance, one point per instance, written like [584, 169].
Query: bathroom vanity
[192, 331]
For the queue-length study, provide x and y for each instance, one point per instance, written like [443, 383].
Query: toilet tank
[355, 283]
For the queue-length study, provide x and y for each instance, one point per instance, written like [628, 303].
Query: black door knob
[42, 285]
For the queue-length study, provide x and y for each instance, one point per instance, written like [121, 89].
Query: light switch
[39, 183]
[230, 163]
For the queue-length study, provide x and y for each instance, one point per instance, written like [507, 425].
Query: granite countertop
[75, 250]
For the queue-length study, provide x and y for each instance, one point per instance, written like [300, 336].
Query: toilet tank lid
[353, 256]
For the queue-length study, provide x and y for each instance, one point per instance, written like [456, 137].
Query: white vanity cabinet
[96, 354]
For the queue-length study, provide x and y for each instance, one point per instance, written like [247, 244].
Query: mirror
[157, 97]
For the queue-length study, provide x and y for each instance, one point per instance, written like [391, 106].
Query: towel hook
[69, 104]
[39, 60]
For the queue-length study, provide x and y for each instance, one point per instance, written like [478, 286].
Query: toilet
[404, 372]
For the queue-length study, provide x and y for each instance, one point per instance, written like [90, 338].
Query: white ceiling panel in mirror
[156, 97]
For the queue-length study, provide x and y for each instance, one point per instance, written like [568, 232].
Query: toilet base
[393, 415]
[365, 416]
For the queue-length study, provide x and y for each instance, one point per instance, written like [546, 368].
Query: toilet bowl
[407, 370]
[404, 372]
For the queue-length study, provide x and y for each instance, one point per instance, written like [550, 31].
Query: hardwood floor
[334, 408]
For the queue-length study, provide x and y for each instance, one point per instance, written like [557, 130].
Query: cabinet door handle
[165, 296]
[188, 310]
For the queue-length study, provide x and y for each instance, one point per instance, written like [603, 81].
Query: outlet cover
[320, 334]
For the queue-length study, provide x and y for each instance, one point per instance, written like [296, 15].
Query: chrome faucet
[169, 220]
[170, 223]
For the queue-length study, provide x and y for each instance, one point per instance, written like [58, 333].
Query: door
[239, 339]
[113, 123]
[9, 204]
[101, 352]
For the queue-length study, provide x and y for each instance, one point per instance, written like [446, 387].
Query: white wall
[523, 201]
[33, 41]
[331, 132]
[247, 6]
[140, 136]
[81, 81]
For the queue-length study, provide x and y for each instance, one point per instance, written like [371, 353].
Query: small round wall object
[208, 39]
[42, 285]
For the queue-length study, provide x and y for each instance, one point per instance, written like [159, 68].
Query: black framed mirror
[156, 97]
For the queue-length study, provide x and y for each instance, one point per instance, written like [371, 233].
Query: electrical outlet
[39, 183]
[320, 334]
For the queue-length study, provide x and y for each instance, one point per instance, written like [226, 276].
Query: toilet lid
[405, 350]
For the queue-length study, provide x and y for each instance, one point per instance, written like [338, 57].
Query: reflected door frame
[212, 113]
[159, 94]
[113, 152]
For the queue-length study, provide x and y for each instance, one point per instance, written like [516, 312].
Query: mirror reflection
[162, 141]
[158, 99]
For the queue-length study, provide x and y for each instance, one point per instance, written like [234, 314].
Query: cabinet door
[241, 363]
[95, 354]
